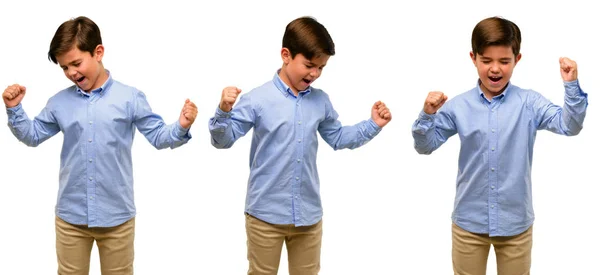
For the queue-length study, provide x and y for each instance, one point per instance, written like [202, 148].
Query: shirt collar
[102, 89]
[501, 96]
[285, 89]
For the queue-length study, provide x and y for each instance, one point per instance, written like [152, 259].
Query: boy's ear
[473, 57]
[517, 58]
[99, 53]
[286, 55]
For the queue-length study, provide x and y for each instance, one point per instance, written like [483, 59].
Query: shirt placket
[299, 152]
[90, 164]
[493, 167]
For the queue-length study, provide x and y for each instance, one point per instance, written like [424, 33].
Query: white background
[387, 209]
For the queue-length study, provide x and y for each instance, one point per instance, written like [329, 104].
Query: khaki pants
[265, 241]
[74, 246]
[470, 252]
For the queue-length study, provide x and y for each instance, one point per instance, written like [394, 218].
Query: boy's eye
[309, 66]
[77, 64]
[63, 68]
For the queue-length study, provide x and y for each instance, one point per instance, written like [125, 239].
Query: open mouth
[306, 81]
[495, 78]
[79, 80]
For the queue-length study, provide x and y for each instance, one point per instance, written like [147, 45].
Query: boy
[283, 202]
[97, 117]
[497, 123]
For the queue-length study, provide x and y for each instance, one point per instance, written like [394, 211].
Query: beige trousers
[74, 246]
[470, 252]
[265, 241]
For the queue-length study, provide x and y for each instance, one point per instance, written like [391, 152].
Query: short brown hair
[495, 31]
[308, 37]
[81, 32]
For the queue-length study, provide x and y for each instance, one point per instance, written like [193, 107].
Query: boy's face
[299, 72]
[495, 66]
[82, 68]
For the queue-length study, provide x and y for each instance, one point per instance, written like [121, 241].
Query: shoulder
[525, 96]
[120, 88]
[462, 100]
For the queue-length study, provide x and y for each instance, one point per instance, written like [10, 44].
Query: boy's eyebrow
[71, 63]
[313, 64]
[501, 58]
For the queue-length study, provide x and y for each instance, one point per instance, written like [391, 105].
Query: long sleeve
[566, 120]
[227, 127]
[431, 131]
[341, 137]
[32, 132]
[154, 128]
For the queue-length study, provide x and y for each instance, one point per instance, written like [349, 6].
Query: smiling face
[495, 67]
[299, 72]
[83, 69]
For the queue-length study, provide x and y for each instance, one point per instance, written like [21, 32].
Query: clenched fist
[568, 69]
[188, 114]
[434, 102]
[380, 114]
[13, 95]
[228, 98]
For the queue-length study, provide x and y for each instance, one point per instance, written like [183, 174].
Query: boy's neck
[102, 78]
[285, 80]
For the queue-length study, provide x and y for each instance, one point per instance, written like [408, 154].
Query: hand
[188, 114]
[228, 98]
[381, 114]
[568, 69]
[13, 95]
[434, 102]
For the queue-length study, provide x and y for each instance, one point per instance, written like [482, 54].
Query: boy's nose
[314, 73]
[495, 68]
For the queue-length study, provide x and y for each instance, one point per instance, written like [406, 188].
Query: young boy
[283, 202]
[98, 117]
[497, 123]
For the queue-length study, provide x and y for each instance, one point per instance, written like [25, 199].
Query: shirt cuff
[222, 114]
[372, 127]
[180, 131]
[426, 116]
[14, 110]
[572, 88]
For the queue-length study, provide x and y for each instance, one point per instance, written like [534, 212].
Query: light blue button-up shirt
[493, 185]
[283, 187]
[96, 177]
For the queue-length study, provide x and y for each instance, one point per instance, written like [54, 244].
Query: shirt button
[493, 169]
[299, 122]
[492, 206]
[493, 187]
[298, 160]
[296, 196]
[493, 149]
[91, 122]
[91, 178]
[493, 130]
[91, 197]
[299, 140]
[90, 140]
[90, 160]
[297, 178]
